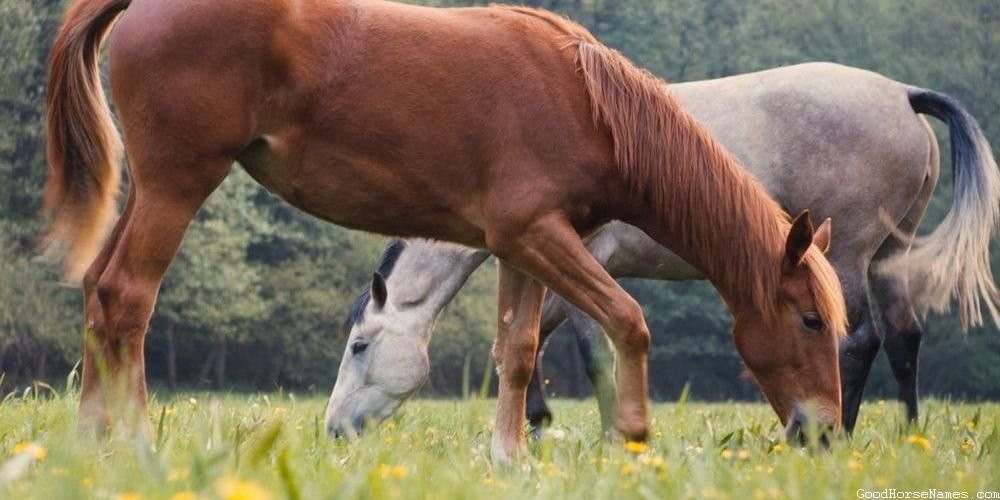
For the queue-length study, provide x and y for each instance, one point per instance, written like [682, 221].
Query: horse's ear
[822, 237]
[379, 292]
[799, 239]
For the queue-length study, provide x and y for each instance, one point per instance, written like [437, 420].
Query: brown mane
[659, 146]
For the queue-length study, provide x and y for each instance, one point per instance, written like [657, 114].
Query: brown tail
[83, 145]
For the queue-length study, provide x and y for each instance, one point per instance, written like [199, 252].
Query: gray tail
[953, 261]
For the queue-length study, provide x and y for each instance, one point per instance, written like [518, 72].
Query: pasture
[213, 445]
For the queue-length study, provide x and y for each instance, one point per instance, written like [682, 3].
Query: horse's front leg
[519, 310]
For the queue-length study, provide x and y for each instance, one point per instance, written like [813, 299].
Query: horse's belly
[630, 253]
[352, 193]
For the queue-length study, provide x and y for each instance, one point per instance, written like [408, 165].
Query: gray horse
[856, 133]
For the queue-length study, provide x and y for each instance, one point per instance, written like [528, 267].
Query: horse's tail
[83, 146]
[954, 259]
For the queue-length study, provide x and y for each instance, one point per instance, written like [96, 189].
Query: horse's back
[805, 129]
[356, 111]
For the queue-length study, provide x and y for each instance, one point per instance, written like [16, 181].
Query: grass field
[273, 446]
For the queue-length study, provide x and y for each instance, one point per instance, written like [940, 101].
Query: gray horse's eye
[359, 347]
[812, 322]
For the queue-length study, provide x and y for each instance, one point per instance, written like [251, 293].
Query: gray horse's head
[384, 362]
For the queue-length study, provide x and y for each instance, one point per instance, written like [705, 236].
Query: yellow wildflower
[635, 447]
[230, 488]
[967, 445]
[628, 469]
[744, 454]
[386, 471]
[87, 482]
[32, 449]
[779, 448]
[727, 453]
[399, 472]
[128, 495]
[184, 495]
[971, 424]
[854, 465]
[919, 441]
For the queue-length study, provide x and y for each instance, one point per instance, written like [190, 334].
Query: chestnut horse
[502, 128]
[878, 159]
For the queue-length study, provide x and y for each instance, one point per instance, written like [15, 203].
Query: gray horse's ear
[822, 237]
[800, 237]
[379, 292]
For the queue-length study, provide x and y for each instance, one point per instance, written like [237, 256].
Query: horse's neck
[739, 246]
[427, 277]
[721, 220]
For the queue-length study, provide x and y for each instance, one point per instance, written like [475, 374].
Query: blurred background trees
[261, 303]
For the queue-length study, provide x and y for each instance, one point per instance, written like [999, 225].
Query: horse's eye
[812, 321]
[359, 347]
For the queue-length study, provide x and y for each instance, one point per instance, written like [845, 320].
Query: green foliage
[273, 445]
[259, 291]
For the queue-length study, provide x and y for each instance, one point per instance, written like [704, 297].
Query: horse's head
[384, 363]
[792, 350]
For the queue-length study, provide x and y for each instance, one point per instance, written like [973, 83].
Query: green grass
[221, 446]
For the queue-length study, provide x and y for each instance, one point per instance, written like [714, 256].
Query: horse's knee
[126, 307]
[628, 328]
[515, 359]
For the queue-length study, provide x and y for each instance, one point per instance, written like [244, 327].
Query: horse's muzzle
[799, 430]
[344, 428]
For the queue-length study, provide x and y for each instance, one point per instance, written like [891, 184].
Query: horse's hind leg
[93, 410]
[519, 309]
[903, 335]
[900, 325]
[121, 292]
[552, 251]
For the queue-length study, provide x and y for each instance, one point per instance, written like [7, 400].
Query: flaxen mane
[672, 160]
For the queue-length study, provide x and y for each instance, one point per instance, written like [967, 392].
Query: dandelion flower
[727, 454]
[128, 495]
[967, 445]
[919, 441]
[31, 449]
[235, 489]
[184, 495]
[635, 447]
[399, 472]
